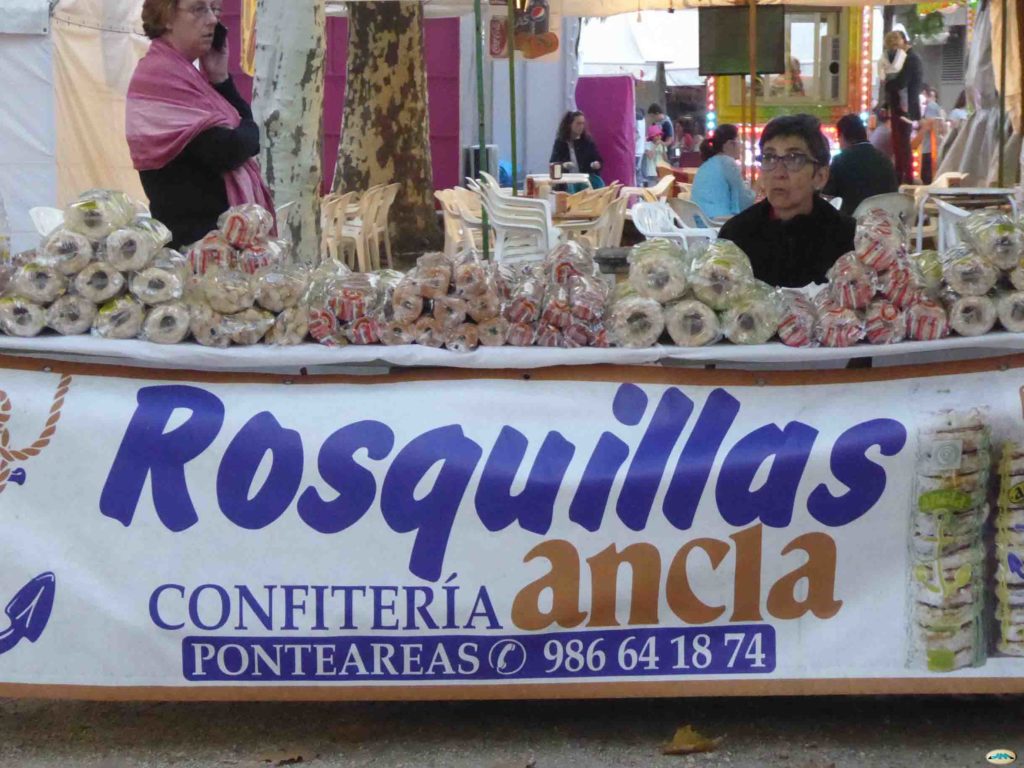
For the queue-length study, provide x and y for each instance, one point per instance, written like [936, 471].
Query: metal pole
[1002, 97]
[512, 91]
[752, 32]
[481, 126]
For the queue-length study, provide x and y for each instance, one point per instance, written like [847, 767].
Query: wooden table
[543, 181]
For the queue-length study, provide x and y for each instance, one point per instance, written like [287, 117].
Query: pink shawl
[170, 102]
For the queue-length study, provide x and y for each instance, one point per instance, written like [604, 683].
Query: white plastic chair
[658, 220]
[281, 214]
[526, 210]
[606, 230]
[46, 220]
[949, 216]
[382, 232]
[361, 231]
[895, 203]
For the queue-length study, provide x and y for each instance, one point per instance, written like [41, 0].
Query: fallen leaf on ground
[292, 756]
[688, 741]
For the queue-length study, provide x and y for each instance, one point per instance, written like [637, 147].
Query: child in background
[655, 152]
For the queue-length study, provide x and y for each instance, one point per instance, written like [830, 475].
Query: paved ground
[757, 733]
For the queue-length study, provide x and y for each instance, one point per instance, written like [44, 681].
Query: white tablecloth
[263, 357]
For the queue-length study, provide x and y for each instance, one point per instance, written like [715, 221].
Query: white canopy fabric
[598, 8]
[634, 43]
[25, 17]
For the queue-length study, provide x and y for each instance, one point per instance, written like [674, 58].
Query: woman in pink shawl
[191, 134]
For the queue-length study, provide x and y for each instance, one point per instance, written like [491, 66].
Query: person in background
[958, 115]
[881, 131]
[191, 135]
[654, 152]
[903, 98]
[718, 188]
[641, 143]
[687, 138]
[574, 145]
[793, 237]
[931, 131]
[859, 171]
[656, 116]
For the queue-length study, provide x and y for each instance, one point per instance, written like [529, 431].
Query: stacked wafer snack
[1009, 574]
[946, 543]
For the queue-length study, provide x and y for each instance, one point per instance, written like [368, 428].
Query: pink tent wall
[442, 44]
[609, 105]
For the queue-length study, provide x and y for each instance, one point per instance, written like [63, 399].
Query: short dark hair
[851, 128]
[806, 127]
[655, 109]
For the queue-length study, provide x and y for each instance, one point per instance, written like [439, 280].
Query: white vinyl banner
[612, 532]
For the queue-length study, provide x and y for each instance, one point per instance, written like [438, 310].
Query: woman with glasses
[718, 188]
[793, 236]
[191, 134]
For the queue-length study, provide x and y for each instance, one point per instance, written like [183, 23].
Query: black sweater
[586, 153]
[188, 194]
[791, 253]
[858, 172]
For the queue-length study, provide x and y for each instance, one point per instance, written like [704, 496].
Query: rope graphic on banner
[9, 457]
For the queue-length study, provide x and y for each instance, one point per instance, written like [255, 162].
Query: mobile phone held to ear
[220, 37]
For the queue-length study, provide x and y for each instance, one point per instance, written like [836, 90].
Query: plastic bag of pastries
[433, 275]
[557, 309]
[249, 326]
[99, 282]
[281, 286]
[206, 325]
[470, 276]
[719, 274]
[567, 260]
[927, 266]
[462, 338]
[658, 270]
[265, 253]
[852, 284]
[493, 332]
[156, 229]
[633, 320]
[119, 318]
[884, 323]
[521, 334]
[98, 212]
[971, 315]
[227, 291]
[39, 283]
[880, 240]
[429, 332]
[549, 336]
[71, 315]
[927, 320]
[245, 224]
[450, 311]
[968, 273]
[839, 326]
[527, 300]
[900, 284]
[1010, 308]
[291, 327]
[164, 280]
[70, 252]
[588, 297]
[799, 322]
[212, 251]
[129, 249]
[753, 317]
[167, 323]
[21, 317]
[692, 323]
[994, 236]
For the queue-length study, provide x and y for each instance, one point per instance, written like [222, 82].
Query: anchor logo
[29, 610]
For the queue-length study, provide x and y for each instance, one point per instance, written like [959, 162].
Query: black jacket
[586, 153]
[858, 172]
[188, 194]
[791, 253]
[910, 78]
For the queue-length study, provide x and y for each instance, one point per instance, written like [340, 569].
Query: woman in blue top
[718, 188]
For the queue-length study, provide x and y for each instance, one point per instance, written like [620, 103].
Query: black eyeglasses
[792, 162]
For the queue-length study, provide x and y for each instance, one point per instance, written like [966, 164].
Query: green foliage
[917, 26]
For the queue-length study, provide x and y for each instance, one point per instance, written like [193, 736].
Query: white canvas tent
[633, 43]
[63, 75]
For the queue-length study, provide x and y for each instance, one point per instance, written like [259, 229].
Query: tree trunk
[288, 104]
[386, 125]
